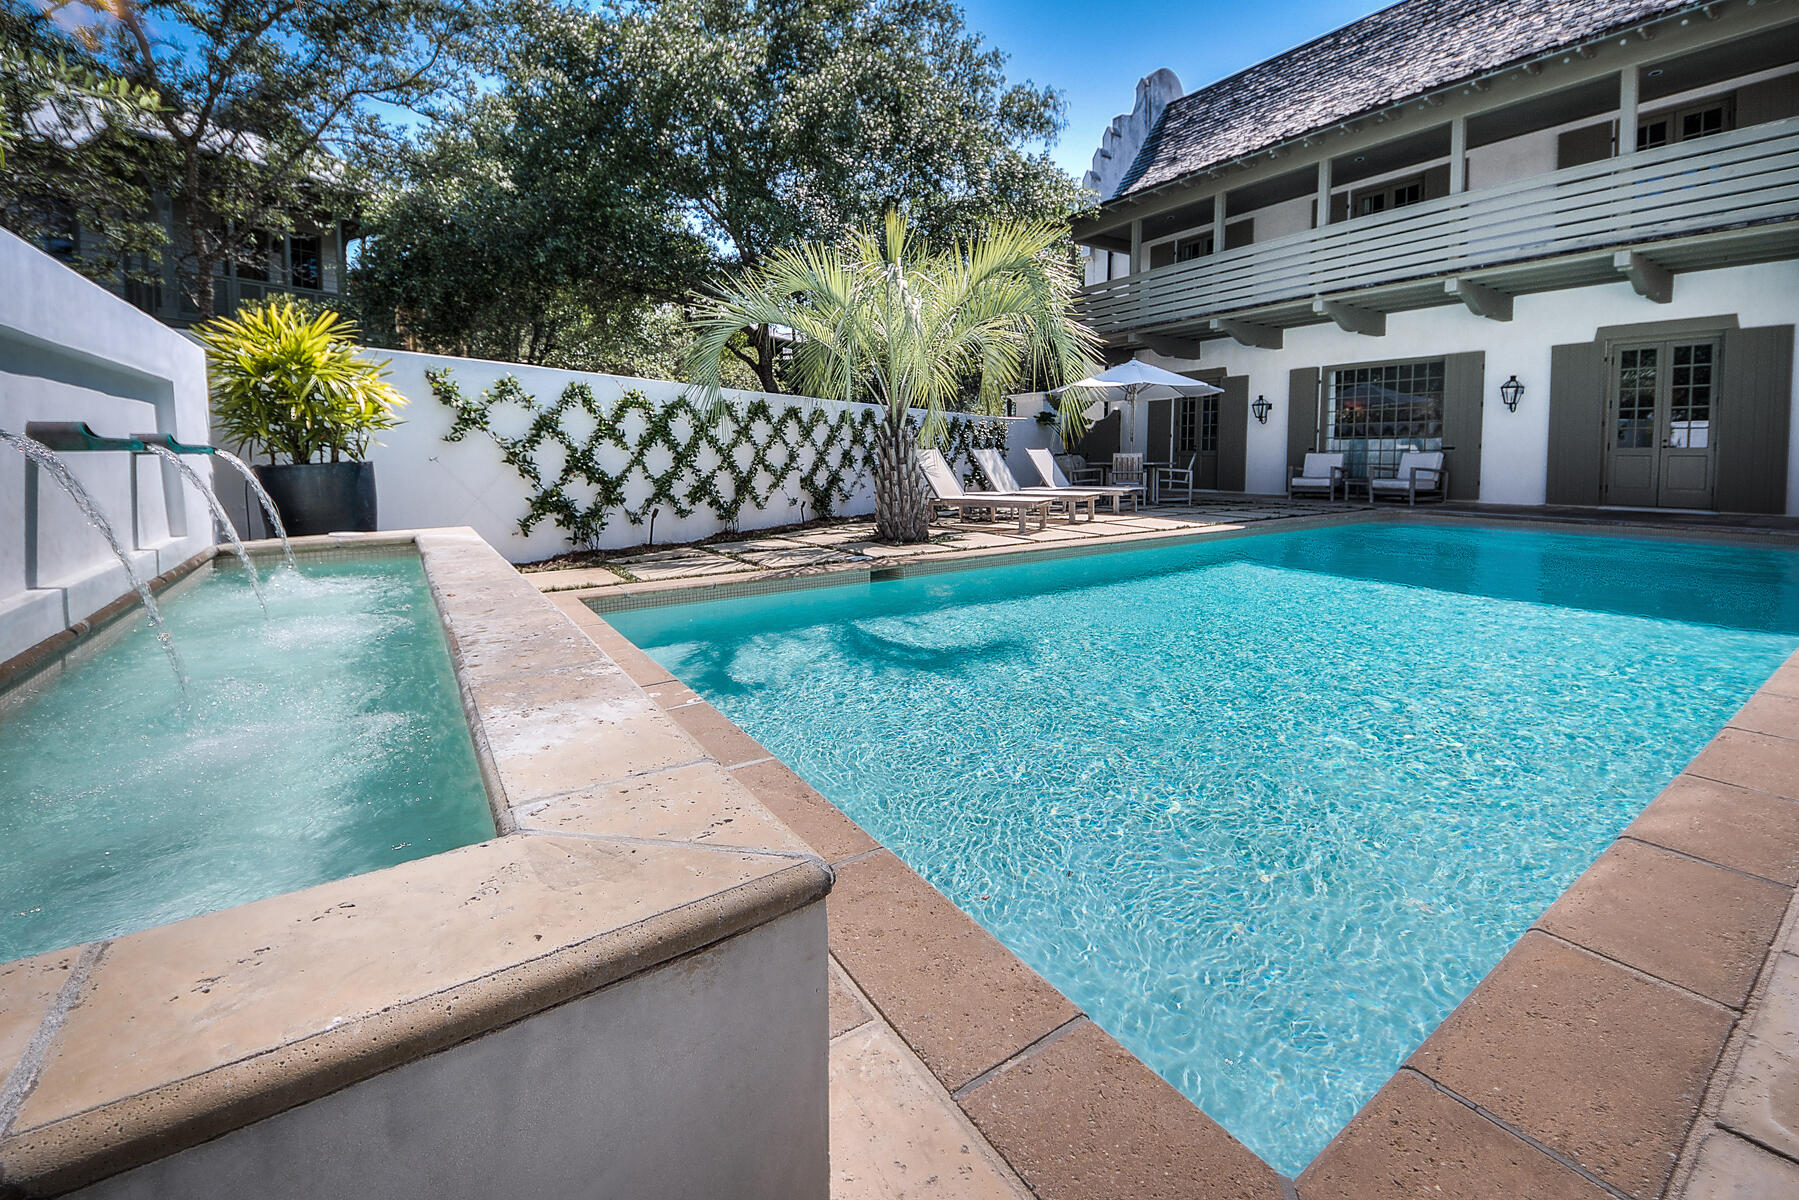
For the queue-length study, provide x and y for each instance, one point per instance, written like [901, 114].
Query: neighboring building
[1376, 230]
[308, 262]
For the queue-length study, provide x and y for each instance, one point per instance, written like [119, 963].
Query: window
[1699, 124]
[1387, 196]
[1635, 428]
[1195, 426]
[1690, 397]
[255, 262]
[1373, 414]
[303, 262]
[1194, 247]
[1685, 124]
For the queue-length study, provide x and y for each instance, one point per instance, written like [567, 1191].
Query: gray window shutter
[1752, 415]
[1161, 426]
[1463, 376]
[1769, 100]
[1302, 414]
[1576, 423]
[1587, 144]
[1233, 434]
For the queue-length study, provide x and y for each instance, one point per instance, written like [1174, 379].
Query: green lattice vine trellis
[746, 458]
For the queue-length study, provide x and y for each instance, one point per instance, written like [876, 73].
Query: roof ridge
[1333, 78]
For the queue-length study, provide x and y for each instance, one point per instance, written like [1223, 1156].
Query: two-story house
[1366, 239]
[308, 261]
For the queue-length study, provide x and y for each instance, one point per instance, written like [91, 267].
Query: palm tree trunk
[902, 508]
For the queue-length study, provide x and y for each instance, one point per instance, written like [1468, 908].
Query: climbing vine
[675, 458]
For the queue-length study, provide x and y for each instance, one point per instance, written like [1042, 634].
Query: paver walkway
[1745, 1144]
[845, 543]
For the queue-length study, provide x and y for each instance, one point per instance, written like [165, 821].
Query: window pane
[1635, 429]
[303, 254]
[1374, 414]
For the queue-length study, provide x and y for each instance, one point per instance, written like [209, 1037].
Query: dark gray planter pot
[322, 497]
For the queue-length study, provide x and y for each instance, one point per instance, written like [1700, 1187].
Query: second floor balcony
[1719, 201]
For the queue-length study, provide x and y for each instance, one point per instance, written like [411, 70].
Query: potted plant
[293, 385]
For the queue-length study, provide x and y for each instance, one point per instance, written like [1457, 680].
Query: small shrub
[293, 384]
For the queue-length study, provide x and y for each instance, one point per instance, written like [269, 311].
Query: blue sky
[1094, 53]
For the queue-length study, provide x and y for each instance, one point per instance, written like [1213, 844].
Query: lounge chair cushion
[1427, 463]
[993, 466]
[1319, 465]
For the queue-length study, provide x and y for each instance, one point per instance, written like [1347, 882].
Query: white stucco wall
[423, 481]
[70, 351]
[1278, 220]
[1514, 446]
[1122, 139]
[703, 1078]
[1513, 159]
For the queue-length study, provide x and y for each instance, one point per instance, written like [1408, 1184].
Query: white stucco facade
[71, 351]
[1514, 445]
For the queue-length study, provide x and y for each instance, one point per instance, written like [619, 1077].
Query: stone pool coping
[622, 844]
[1576, 1068]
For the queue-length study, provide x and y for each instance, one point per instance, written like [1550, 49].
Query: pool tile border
[1516, 1093]
[622, 846]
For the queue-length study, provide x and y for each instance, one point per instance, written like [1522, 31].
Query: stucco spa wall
[422, 480]
[702, 1078]
[1514, 446]
[70, 351]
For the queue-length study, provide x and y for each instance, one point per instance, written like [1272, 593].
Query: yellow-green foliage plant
[293, 384]
[904, 324]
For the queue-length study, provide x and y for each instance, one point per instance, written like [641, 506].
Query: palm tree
[887, 318]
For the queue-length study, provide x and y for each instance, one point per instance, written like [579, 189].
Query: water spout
[68, 436]
[262, 497]
[219, 517]
[47, 460]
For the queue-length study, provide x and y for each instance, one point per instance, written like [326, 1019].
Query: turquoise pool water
[1266, 808]
[324, 741]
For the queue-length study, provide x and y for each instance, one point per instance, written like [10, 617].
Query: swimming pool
[324, 740]
[1266, 808]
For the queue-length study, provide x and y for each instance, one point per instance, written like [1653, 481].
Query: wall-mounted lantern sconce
[1511, 391]
[1261, 408]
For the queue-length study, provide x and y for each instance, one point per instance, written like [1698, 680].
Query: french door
[1661, 423]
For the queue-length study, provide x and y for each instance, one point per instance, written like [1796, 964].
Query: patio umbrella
[1136, 382]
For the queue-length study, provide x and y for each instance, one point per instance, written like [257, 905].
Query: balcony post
[1627, 110]
[1218, 222]
[1136, 246]
[1458, 155]
[1323, 216]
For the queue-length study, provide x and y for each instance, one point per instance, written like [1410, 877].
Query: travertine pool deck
[1640, 1041]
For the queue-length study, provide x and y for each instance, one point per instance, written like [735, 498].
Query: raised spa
[1266, 808]
[323, 740]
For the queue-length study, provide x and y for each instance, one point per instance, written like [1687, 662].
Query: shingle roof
[1414, 47]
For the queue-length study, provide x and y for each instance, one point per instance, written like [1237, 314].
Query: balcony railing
[171, 304]
[1743, 177]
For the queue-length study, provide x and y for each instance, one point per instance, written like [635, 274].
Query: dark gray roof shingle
[1411, 48]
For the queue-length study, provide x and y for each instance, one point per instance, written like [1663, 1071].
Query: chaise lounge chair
[949, 494]
[1421, 473]
[1319, 473]
[993, 466]
[1051, 474]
